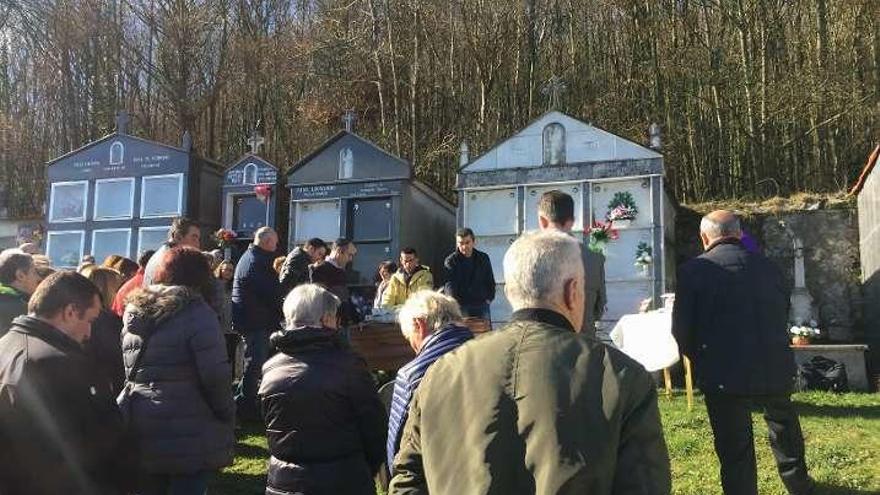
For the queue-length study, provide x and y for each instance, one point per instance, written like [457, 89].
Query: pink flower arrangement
[600, 234]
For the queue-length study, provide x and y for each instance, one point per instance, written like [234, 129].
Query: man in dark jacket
[431, 322]
[556, 212]
[730, 318]
[469, 277]
[295, 270]
[184, 232]
[536, 407]
[324, 421]
[332, 276]
[18, 280]
[256, 313]
[60, 430]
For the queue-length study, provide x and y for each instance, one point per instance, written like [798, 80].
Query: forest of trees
[754, 97]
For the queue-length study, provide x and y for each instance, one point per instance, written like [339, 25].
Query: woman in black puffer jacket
[324, 422]
[182, 409]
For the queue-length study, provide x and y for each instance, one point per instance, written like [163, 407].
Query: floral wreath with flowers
[225, 238]
[643, 255]
[622, 207]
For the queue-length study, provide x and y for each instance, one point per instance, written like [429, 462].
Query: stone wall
[831, 259]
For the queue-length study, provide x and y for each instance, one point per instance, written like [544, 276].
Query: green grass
[842, 434]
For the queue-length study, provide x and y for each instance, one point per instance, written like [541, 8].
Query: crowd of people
[118, 378]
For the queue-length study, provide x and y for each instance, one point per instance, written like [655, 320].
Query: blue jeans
[256, 352]
[476, 311]
[175, 484]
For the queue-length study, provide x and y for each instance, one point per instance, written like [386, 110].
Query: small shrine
[250, 196]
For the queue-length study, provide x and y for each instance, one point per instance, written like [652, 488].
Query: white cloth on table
[647, 338]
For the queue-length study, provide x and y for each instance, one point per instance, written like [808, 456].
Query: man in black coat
[332, 275]
[256, 313]
[295, 270]
[60, 430]
[730, 318]
[18, 279]
[469, 277]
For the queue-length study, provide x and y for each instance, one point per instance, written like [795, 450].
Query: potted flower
[601, 233]
[644, 258]
[801, 334]
[622, 209]
[225, 238]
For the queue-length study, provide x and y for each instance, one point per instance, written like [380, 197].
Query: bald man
[256, 313]
[730, 318]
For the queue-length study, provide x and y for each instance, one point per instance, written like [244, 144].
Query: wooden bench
[385, 348]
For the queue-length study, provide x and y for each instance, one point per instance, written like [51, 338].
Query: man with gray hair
[730, 318]
[431, 322]
[536, 407]
[256, 313]
[324, 421]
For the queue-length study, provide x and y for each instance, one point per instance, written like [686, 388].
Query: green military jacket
[534, 408]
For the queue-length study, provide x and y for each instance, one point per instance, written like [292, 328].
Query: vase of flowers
[802, 334]
[601, 233]
[622, 209]
[225, 238]
[644, 258]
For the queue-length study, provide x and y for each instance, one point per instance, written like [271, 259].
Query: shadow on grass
[852, 411]
[253, 451]
[829, 489]
[238, 484]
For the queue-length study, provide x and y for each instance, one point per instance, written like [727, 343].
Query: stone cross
[122, 122]
[255, 142]
[553, 88]
[348, 119]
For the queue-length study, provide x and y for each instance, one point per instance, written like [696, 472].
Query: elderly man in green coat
[536, 407]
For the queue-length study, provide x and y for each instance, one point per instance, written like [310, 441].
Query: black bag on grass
[821, 373]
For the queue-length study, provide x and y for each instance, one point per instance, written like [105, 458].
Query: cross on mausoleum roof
[255, 142]
[122, 122]
[348, 118]
[554, 86]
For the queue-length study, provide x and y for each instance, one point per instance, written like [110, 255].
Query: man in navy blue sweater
[431, 322]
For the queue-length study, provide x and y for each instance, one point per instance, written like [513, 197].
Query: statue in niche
[117, 152]
[346, 163]
[250, 173]
[554, 144]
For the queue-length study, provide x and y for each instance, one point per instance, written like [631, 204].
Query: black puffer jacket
[182, 409]
[325, 424]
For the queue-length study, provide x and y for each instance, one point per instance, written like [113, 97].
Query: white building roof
[584, 143]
